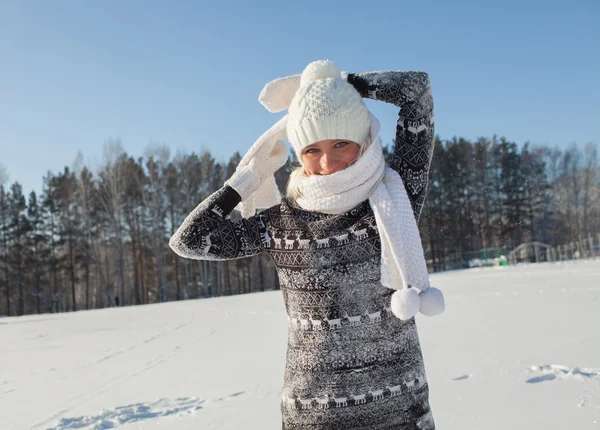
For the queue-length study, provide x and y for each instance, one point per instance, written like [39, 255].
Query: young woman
[345, 243]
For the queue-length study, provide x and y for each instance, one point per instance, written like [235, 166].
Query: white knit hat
[325, 107]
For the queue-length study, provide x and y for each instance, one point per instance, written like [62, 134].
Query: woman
[345, 243]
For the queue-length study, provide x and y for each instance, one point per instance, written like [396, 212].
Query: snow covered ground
[518, 348]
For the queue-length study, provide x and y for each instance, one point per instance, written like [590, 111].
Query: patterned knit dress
[350, 363]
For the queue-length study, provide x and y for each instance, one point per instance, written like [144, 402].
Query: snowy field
[518, 348]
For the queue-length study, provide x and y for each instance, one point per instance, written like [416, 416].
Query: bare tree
[591, 194]
[569, 190]
[85, 192]
[155, 196]
[111, 197]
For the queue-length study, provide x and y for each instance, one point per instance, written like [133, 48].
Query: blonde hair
[292, 190]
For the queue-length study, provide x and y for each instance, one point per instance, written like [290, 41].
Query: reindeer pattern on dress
[299, 239]
[370, 394]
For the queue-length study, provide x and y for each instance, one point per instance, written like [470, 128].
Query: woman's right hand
[267, 155]
[247, 178]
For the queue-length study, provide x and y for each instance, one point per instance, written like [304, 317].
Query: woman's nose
[328, 163]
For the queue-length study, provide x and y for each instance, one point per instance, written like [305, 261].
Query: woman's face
[329, 156]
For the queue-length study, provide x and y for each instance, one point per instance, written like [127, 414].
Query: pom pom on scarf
[405, 303]
[432, 302]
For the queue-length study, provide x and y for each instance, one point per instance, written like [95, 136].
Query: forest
[95, 238]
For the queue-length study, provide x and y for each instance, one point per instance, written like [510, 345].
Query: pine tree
[19, 228]
[5, 238]
[39, 254]
[51, 219]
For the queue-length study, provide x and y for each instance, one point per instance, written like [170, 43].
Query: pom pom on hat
[432, 302]
[405, 303]
[321, 69]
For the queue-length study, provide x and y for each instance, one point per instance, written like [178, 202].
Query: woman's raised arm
[413, 151]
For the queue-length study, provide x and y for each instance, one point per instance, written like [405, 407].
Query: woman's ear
[277, 95]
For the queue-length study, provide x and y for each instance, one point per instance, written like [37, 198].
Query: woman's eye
[311, 151]
[340, 144]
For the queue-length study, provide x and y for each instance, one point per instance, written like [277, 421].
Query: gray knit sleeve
[207, 234]
[413, 150]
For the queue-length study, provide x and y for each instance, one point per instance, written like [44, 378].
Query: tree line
[490, 195]
[99, 238]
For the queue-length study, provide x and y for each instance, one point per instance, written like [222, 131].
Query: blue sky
[188, 73]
